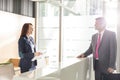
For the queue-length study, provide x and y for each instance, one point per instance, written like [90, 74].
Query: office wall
[10, 29]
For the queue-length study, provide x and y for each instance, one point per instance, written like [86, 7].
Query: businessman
[103, 47]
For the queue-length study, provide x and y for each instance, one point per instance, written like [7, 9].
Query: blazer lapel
[103, 37]
[27, 41]
[96, 37]
[95, 41]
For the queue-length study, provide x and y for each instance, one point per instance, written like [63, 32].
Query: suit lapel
[94, 43]
[103, 37]
[96, 40]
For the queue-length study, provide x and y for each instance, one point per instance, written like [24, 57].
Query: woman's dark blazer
[25, 53]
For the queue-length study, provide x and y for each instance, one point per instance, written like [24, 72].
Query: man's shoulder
[94, 34]
[109, 32]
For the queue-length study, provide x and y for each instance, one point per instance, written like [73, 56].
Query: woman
[27, 48]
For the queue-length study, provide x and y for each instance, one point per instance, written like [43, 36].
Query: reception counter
[72, 69]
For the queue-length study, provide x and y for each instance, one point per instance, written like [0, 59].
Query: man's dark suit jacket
[25, 53]
[107, 50]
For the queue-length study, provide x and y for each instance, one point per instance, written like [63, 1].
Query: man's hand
[110, 70]
[81, 56]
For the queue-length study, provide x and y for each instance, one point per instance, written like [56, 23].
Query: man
[103, 47]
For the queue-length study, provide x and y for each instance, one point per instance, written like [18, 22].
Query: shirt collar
[102, 32]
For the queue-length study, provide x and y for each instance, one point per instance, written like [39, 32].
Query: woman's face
[30, 29]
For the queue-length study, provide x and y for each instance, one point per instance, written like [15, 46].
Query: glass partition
[74, 19]
[74, 23]
[48, 31]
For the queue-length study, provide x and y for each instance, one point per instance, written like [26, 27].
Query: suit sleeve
[89, 51]
[113, 50]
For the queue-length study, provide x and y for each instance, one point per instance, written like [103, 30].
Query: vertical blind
[22, 7]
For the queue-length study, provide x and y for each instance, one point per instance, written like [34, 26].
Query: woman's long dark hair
[25, 29]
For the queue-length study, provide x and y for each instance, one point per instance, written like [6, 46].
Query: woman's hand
[38, 53]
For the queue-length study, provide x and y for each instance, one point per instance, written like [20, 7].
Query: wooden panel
[15, 62]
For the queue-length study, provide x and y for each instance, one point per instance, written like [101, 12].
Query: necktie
[97, 46]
